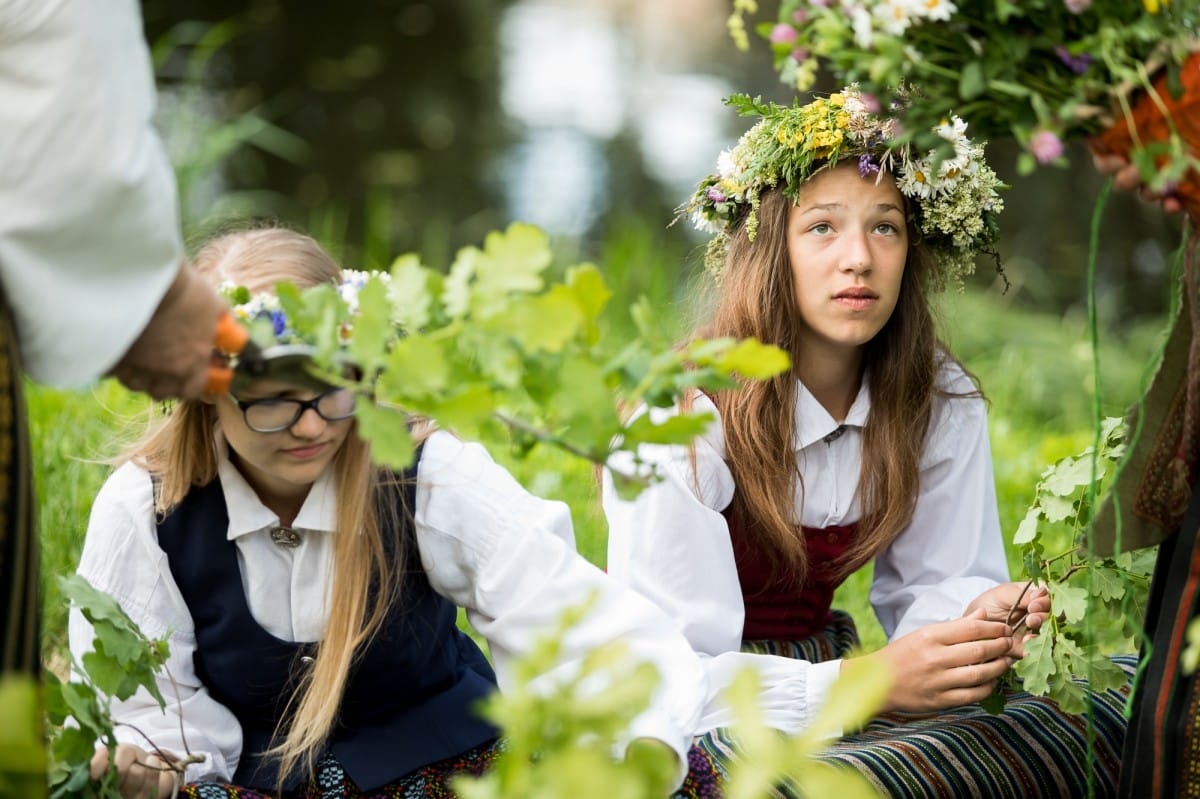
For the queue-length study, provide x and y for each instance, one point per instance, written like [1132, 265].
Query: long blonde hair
[181, 454]
[756, 298]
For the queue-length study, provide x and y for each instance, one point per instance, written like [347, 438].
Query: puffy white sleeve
[953, 550]
[89, 215]
[121, 557]
[671, 544]
[509, 559]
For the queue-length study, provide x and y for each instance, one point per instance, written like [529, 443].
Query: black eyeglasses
[274, 414]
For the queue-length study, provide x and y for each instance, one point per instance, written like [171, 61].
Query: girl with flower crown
[874, 449]
[310, 599]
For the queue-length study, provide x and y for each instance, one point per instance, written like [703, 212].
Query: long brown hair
[181, 454]
[756, 298]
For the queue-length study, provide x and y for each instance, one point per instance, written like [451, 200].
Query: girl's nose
[856, 255]
[309, 425]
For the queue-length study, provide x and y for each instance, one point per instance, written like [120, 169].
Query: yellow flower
[1154, 6]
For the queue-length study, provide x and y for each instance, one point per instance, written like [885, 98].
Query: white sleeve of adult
[89, 217]
[508, 558]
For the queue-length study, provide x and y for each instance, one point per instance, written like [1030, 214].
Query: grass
[1035, 369]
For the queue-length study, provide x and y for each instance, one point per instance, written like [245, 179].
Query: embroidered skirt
[1030, 750]
[331, 782]
[433, 781]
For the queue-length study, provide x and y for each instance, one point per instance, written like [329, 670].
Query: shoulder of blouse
[959, 412]
[700, 468]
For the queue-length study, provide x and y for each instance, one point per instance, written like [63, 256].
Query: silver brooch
[285, 536]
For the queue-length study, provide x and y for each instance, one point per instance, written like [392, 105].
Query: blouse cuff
[821, 677]
[659, 726]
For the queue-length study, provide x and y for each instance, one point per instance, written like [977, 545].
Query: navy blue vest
[410, 698]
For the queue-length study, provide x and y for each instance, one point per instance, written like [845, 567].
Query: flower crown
[264, 309]
[954, 198]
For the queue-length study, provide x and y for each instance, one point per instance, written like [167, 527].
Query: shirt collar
[814, 423]
[247, 513]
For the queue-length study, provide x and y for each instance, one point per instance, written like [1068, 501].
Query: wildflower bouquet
[1040, 71]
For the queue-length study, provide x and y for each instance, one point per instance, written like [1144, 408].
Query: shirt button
[307, 660]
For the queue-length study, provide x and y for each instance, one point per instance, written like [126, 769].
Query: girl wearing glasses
[310, 600]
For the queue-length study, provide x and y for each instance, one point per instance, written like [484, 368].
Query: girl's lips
[856, 299]
[302, 453]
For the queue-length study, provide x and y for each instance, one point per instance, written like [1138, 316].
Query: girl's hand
[142, 775]
[943, 665]
[1025, 607]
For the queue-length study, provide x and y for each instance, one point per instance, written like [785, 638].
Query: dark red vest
[782, 608]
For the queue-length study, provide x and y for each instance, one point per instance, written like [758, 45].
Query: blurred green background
[395, 126]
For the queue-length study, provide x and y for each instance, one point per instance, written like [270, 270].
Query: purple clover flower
[783, 34]
[715, 194]
[867, 166]
[1077, 6]
[1079, 64]
[1045, 146]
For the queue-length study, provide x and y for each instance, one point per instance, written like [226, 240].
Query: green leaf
[995, 702]
[971, 82]
[1027, 530]
[1038, 666]
[820, 778]
[410, 295]
[1101, 672]
[1068, 475]
[1068, 601]
[545, 323]
[111, 676]
[1070, 696]
[751, 358]
[589, 290]
[416, 366]
[1106, 583]
[1056, 508]
[373, 329]
[22, 750]
[387, 430]
[853, 701]
[677, 429]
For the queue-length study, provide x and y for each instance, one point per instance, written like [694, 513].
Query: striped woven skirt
[1030, 750]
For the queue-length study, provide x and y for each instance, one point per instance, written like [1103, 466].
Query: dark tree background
[393, 104]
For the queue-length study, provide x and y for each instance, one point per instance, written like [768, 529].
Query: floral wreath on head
[264, 309]
[954, 198]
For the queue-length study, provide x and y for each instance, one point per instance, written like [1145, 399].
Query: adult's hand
[943, 665]
[1127, 177]
[170, 358]
[141, 775]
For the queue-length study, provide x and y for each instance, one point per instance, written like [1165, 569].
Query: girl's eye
[821, 228]
[887, 228]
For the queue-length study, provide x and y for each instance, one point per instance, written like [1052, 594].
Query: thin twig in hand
[1008, 619]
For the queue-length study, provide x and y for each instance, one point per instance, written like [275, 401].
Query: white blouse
[89, 218]
[486, 544]
[672, 544]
